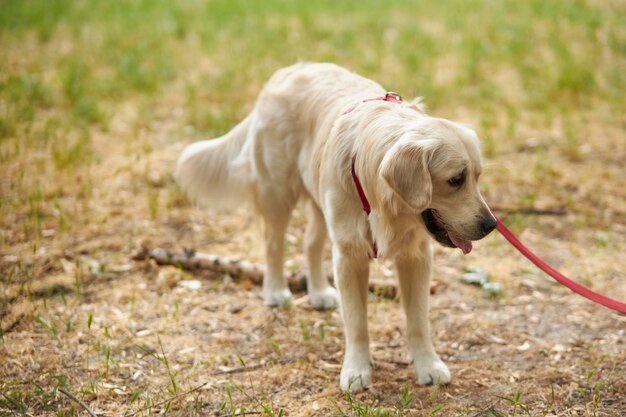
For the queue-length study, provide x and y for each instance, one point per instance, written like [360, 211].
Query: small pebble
[236, 308]
[192, 284]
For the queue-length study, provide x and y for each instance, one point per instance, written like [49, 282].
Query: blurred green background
[541, 75]
[82, 57]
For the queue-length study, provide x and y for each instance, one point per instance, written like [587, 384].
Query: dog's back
[276, 142]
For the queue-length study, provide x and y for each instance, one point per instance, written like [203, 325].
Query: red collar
[389, 96]
[393, 98]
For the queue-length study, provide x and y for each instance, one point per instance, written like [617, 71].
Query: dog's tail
[216, 172]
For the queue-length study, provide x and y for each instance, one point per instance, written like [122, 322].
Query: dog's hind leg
[414, 277]
[321, 294]
[275, 209]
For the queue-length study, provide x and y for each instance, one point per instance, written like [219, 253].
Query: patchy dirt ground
[125, 336]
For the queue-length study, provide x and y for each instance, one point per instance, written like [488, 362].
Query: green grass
[87, 57]
[405, 406]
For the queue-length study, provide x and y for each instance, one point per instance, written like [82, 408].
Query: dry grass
[96, 102]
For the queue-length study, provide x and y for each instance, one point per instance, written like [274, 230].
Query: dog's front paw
[278, 298]
[355, 380]
[433, 372]
[324, 299]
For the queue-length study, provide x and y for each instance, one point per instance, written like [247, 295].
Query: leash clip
[392, 96]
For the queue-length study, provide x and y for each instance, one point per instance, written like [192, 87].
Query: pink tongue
[464, 245]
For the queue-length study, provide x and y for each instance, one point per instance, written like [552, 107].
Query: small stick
[485, 410]
[172, 398]
[81, 403]
[236, 268]
[239, 369]
[530, 210]
[248, 368]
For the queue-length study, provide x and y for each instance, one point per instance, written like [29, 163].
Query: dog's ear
[405, 170]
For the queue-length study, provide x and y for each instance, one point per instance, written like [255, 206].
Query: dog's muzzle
[449, 239]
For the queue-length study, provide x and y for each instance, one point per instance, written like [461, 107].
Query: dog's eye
[456, 181]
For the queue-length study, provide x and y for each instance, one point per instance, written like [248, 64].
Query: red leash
[560, 278]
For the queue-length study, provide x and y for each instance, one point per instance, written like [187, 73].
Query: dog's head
[434, 171]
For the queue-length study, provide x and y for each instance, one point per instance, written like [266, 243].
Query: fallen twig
[172, 398]
[190, 259]
[79, 401]
[247, 368]
[490, 409]
[529, 210]
[239, 369]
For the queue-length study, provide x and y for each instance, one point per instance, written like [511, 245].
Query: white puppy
[319, 133]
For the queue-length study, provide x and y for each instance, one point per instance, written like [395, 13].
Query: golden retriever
[315, 132]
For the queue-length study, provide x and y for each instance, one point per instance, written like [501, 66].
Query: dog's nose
[489, 223]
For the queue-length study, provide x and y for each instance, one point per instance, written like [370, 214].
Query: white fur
[298, 143]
